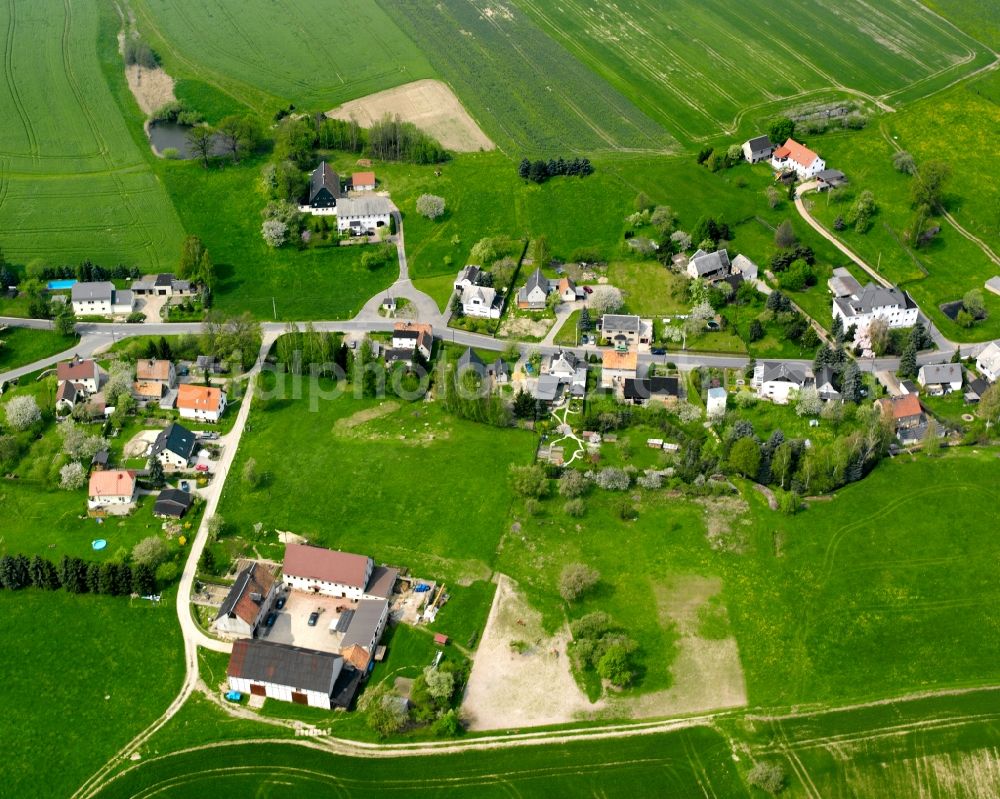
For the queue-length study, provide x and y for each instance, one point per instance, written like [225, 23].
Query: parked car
[313, 618]
[185, 486]
[280, 603]
[658, 352]
[271, 618]
[588, 289]
[201, 467]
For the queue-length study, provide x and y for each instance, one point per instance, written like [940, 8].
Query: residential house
[122, 302]
[467, 278]
[759, 148]
[908, 387]
[906, 412]
[174, 447]
[568, 290]
[975, 390]
[84, 373]
[650, 390]
[161, 285]
[366, 625]
[715, 401]
[172, 503]
[830, 179]
[469, 360]
[284, 672]
[561, 373]
[362, 215]
[843, 284]
[326, 571]
[617, 367]
[100, 461]
[825, 385]
[67, 395]
[415, 337]
[201, 403]
[709, 265]
[481, 302]
[625, 332]
[156, 371]
[148, 391]
[92, 299]
[988, 362]
[324, 187]
[363, 181]
[778, 382]
[744, 267]
[940, 378]
[248, 602]
[795, 157]
[111, 488]
[876, 302]
[533, 294]
[498, 372]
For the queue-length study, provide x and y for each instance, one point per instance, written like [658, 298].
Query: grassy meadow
[402, 482]
[73, 182]
[82, 675]
[22, 346]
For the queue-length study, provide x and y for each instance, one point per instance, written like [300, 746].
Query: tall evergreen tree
[908, 361]
[850, 389]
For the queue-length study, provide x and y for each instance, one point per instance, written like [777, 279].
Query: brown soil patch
[515, 327]
[428, 104]
[509, 689]
[152, 88]
[707, 673]
[367, 415]
[726, 523]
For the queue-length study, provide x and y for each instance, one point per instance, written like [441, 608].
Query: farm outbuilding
[287, 673]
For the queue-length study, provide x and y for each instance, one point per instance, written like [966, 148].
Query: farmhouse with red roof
[794, 157]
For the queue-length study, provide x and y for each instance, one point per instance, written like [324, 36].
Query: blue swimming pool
[56, 285]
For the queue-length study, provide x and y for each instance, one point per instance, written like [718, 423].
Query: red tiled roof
[906, 406]
[112, 483]
[363, 179]
[611, 359]
[147, 369]
[199, 398]
[797, 152]
[316, 563]
[77, 370]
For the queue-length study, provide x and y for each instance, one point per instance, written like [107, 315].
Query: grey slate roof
[759, 144]
[282, 664]
[172, 502]
[247, 582]
[382, 582]
[647, 387]
[711, 262]
[547, 388]
[873, 297]
[620, 322]
[124, 297]
[470, 359]
[366, 620]
[470, 273]
[323, 178]
[832, 176]
[784, 372]
[537, 280]
[362, 206]
[978, 386]
[176, 439]
[934, 373]
[103, 290]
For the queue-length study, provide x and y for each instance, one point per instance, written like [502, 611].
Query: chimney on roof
[256, 596]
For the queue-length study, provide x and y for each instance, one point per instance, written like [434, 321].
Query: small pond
[170, 135]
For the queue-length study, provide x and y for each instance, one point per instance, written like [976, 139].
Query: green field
[23, 346]
[405, 483]
[686, 763]
[702, 68]
[264, 55]
[73, 183]
[82, 675]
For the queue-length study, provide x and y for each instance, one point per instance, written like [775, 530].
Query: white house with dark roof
[893, 305]
[759, 148]
[778, 382]
[284, 672]
[709, 265]
[92, 299]
[362, 215]
[481, 302]
[467, 278]
[533, 294]
[623, 331]
[940, 378]
[174, 447]
[414, 337]
[324, 189]
[743, 266]
[988, 362]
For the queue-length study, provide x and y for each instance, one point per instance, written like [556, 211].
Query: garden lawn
[568, 335]
[649, 288]
[22, 345]
[411, 486]
[82, 675]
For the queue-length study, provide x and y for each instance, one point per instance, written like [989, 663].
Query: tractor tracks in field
[8, 69]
